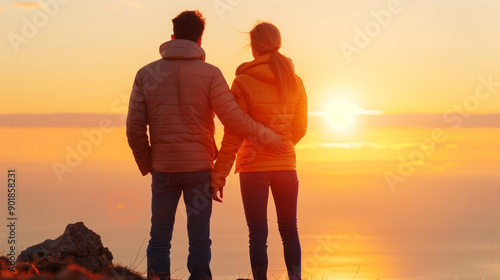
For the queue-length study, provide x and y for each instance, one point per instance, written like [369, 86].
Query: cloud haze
[26, 4]
[70, 120]
[364, 121]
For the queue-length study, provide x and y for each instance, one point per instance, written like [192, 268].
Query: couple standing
[264, 115]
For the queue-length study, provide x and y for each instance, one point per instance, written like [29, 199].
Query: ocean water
[374, 205]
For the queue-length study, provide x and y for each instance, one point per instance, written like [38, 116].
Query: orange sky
[417, 56]
[383, 59]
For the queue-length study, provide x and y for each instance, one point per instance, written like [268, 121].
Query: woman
[269, 91]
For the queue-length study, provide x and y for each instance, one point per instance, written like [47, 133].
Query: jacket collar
[259, 68]
[182, 49]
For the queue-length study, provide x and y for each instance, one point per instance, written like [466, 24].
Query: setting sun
[340, 113]
[396, 138]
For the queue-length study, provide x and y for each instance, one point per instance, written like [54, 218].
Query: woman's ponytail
[284, 72]
[266, 38]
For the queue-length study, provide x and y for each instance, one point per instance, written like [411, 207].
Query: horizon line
[417, 119]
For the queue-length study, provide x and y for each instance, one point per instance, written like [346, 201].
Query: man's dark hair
[189, 25]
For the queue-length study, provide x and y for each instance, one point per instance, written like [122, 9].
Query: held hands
[218, 182]
[214, 191]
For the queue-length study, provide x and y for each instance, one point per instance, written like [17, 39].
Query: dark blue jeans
[255, 192]
[167, 189]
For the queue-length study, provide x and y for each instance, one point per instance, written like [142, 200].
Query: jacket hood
[182, 49]
[259, 68]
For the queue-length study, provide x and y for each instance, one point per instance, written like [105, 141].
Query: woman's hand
[215, 190]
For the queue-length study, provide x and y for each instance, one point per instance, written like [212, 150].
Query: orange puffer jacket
[176, 96]
[256, 93]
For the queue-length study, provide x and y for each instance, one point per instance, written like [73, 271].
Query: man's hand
[216, 190]
[267, 138]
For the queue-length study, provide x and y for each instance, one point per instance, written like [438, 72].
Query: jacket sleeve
[231, 143]
[137, 126]
[299, 124]
[234, 119]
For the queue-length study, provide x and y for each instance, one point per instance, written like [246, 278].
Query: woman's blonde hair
[266, 38]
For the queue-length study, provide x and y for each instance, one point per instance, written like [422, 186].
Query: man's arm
[234, 119]
[137, 126]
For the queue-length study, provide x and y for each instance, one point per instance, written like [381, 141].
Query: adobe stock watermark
[93, 138]
[364, 36]
[322, 253]
[32, 26]
[75, 154]
[196, 202]
[121, 104]
[454, 116]
[223, 6]
[261, 140]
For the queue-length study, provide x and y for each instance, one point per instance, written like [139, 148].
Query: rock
[78, 245]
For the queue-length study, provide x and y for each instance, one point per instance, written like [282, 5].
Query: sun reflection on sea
[341, 256]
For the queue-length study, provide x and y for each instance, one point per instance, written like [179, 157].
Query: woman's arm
[299, 124]
[231, 143]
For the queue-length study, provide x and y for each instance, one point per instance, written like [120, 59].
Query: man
[177, 96]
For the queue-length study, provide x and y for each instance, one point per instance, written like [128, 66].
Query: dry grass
[62, 270]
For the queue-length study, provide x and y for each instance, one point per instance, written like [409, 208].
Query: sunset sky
[424, 57]
[388, 82]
